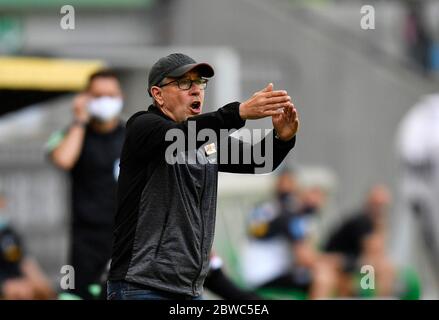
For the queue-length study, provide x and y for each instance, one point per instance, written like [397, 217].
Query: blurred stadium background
[350, 86]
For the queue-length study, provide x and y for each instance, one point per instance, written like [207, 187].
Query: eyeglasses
[186, 84]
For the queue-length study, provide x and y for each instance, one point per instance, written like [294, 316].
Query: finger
[292, 117]
[276, 93]
[275, 106]
[288, 117]
[287, 112]
[280, 99]
[291, 109]
[296, 124]
[276, 112]
[268, 88]
[294, 114]
[83, 96]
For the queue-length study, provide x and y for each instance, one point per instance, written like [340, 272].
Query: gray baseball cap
[175, 65]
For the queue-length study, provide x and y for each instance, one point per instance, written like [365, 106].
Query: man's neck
[104, 127]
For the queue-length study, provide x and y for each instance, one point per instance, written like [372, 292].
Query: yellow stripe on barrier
[46, 74]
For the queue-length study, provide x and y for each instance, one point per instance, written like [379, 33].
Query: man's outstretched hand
[264, 103]
[286, 123]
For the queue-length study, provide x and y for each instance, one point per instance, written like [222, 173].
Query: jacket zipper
[202, 232]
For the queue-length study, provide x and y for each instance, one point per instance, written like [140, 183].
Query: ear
[156, 93]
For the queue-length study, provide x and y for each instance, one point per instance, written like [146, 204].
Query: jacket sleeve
[151, 134]
[262, 157]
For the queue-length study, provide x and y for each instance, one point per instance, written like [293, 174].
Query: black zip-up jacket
[165, 218]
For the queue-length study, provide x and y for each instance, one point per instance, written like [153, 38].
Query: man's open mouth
[196, 106]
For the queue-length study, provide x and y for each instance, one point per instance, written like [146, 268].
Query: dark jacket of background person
[348, 238]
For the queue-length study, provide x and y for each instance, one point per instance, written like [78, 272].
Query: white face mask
[105, 108]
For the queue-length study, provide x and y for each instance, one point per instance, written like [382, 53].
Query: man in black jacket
[167, 188]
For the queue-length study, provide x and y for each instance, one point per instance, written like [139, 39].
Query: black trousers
[89, 256]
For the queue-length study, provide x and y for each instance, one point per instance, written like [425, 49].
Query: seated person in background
[291, 219]
[220, 284]
[20, 276]
[266, 258]
[360, 240]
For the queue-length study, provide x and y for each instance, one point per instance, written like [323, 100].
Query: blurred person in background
[361, 240]
[417, 144]
[267, 258]
[289, 223]
[418, 39]
[219, 283]
[20, 276]
[89, 150]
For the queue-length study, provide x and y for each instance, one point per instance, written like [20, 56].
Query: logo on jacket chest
[204, 155]
[210, 150]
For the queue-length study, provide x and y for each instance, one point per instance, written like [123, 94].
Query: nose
[195, 89]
